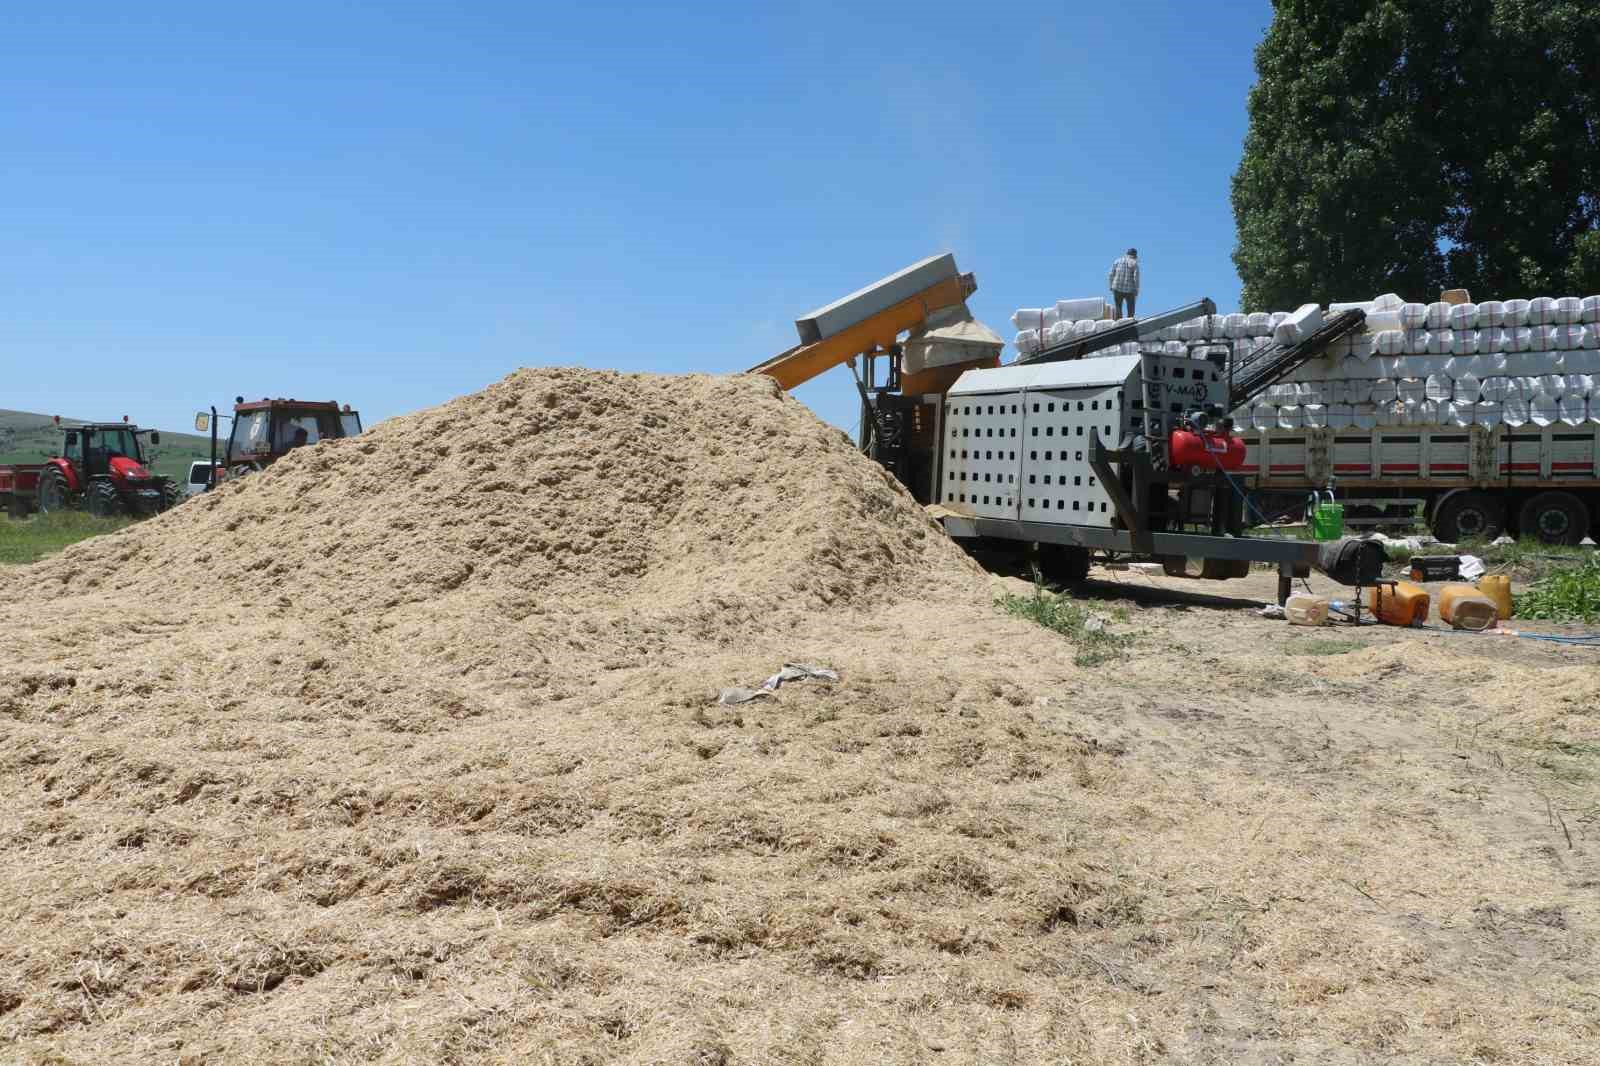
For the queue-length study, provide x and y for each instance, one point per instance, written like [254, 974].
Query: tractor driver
[300, 436]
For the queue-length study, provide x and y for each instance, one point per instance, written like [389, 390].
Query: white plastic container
[1304, 609]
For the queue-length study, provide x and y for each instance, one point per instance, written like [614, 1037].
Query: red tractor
[266, 430]
[102, 469]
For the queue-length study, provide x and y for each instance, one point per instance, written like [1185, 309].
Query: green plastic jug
[1326, 518]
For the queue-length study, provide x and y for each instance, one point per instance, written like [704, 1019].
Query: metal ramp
[1250, 377]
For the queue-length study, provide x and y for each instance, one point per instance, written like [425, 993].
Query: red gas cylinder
[1205, 450]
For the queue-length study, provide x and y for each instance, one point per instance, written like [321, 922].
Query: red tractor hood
[124, 469]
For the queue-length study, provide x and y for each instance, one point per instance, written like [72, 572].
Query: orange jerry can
[1498, 588]
[1464, 607]
[1401, 604]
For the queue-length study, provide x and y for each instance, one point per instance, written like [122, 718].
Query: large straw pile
[408, 750]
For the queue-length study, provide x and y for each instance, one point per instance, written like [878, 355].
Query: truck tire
[1469, 516]
[52, 491]
[1064, 564]
[102, 500]
[1554, 518]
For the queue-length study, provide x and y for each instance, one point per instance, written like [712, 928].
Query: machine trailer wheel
[1555, 518]
[103, 501]
[52, 491]
[1064, 564]
[1469, 516]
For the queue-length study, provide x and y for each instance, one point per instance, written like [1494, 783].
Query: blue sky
[394, 204]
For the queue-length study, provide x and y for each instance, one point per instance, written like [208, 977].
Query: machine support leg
[1285, 582]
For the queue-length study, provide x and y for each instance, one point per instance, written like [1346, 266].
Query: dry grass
[506, 821]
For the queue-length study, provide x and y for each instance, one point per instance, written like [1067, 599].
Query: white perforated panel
[1058, 485]
[982, 442]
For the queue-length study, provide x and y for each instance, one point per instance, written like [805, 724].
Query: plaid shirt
[1125, 274]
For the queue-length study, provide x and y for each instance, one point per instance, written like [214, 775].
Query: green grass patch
[31, 539]
[1096, 644]
[1571, 594]
[1322, 646]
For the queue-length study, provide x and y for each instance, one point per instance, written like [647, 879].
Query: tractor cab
[266, 430]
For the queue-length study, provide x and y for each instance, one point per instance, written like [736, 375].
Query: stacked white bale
[1384, 392]
[1456, 413]
[1090, 307]
[1441, 341]
[1491, 314]
[1365, 415]
[1036, 318]
[1026, 342]
[1439, 387]
[1340, 416]
[1410, 391]
[1573, 409]
[1514, 410]
[1305, 321]
[1542, 311]
[1517, 312]
[1425, 413]
[1437, 315]
[1486, 413]
[1463, 316]
[1467, 389]
[1291, 417]
[1466, 342]
[1544, 410]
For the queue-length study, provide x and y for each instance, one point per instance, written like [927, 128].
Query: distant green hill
[30, 438]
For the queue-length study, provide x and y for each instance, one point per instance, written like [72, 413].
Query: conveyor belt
[1256, 374]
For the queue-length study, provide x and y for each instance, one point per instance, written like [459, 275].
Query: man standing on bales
[1125, 281]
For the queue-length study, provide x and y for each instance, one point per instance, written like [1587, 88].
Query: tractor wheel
[103, 501]
[53, 494]
[1469, 516]
[1555, 518]
[171, 495]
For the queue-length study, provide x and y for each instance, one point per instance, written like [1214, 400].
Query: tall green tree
[1416, 145]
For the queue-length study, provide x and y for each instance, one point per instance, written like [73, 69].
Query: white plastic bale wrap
[1518, 338]
[1589, 310]
[1026, 342]
[1438, 315]
[1486, 413]
[1516, 313]
[1542, 311]
[1354, 369]
[1387, 302]
[1193, 329]
[1235, 326]
[1340, 416]
[1425, 413]
[1466, 343]
[1494, 390]
[1582, 362]
[1058, 333]
[1314, 415]
[1411, 390]
[1361, 345]
[1544, 338]
[1569, 309]
[1175, 348]
[1591, 337]
[1384, 391]
[1413, 316]
[1569, 337]
[1514, 411]
[1090, 307]
[1575, 384]
[1358, 391]
[1364, 306]
[1259, 324]
[1418, 341]
[1573, 410]
[1457, 413]
[1544, 410]
[1467, 389]
[1438, 388]
[1167, 333]
[1463, 316]
[1390, 342]
[1364, 415]
[1037, 318]
[1263, 416]
[1103, 325]
[1491, 313]
[1305, 321]
[1550, 384]
[1291, 417]
[1494, 338]
[1277, 318]
[1441, 341]
[1378, 321]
